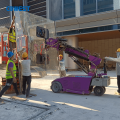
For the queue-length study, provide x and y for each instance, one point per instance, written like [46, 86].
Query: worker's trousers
[62, 73]
[118, 82]
[26, 80]
[12, 45]
[9, 82]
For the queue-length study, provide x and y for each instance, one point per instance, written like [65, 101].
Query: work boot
[23, 93]
[28, 96]
[17, 94]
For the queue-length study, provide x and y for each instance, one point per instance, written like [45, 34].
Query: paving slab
[79, 107]
[18, 111]
[74, 106]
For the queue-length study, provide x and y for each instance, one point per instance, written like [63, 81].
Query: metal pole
[23, 3]
[11, 11]
[96, 6]
[62, 9]
[45, 57]
[48, 9]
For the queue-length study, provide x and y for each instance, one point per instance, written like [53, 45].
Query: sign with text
[17, 8]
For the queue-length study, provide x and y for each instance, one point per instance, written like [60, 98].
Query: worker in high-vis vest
[12, 36]
[10, 75]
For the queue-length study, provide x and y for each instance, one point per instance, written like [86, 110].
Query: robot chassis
[80, 84]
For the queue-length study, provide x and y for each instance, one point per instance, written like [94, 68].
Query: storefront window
[90, 30]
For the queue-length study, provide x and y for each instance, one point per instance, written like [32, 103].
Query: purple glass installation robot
[81, 84]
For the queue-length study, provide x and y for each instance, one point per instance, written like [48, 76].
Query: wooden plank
[2, 102]
[18, 98]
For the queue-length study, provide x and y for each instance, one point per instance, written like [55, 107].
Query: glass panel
[68, 1]
[69, 16]
[4, 14]
[105, 5]
[71, 32]
[89, 30]
[25, 26]
[32, 2]
[88, 7]
[5, 38]
[118, 26]
[69, 8]
[38, 7]
[104, 28]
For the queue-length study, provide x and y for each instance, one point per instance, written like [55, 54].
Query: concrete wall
[73, 41]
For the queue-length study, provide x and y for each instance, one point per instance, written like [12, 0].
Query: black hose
[105, 67]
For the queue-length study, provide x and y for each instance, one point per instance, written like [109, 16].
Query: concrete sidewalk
[79, 107]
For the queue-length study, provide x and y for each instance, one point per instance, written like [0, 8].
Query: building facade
[91, 24]
[37, 7]
[77, 8]
[5, 16]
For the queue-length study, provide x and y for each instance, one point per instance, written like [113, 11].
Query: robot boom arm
[61, 45]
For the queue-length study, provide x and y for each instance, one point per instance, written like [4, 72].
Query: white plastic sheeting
[25, 25]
